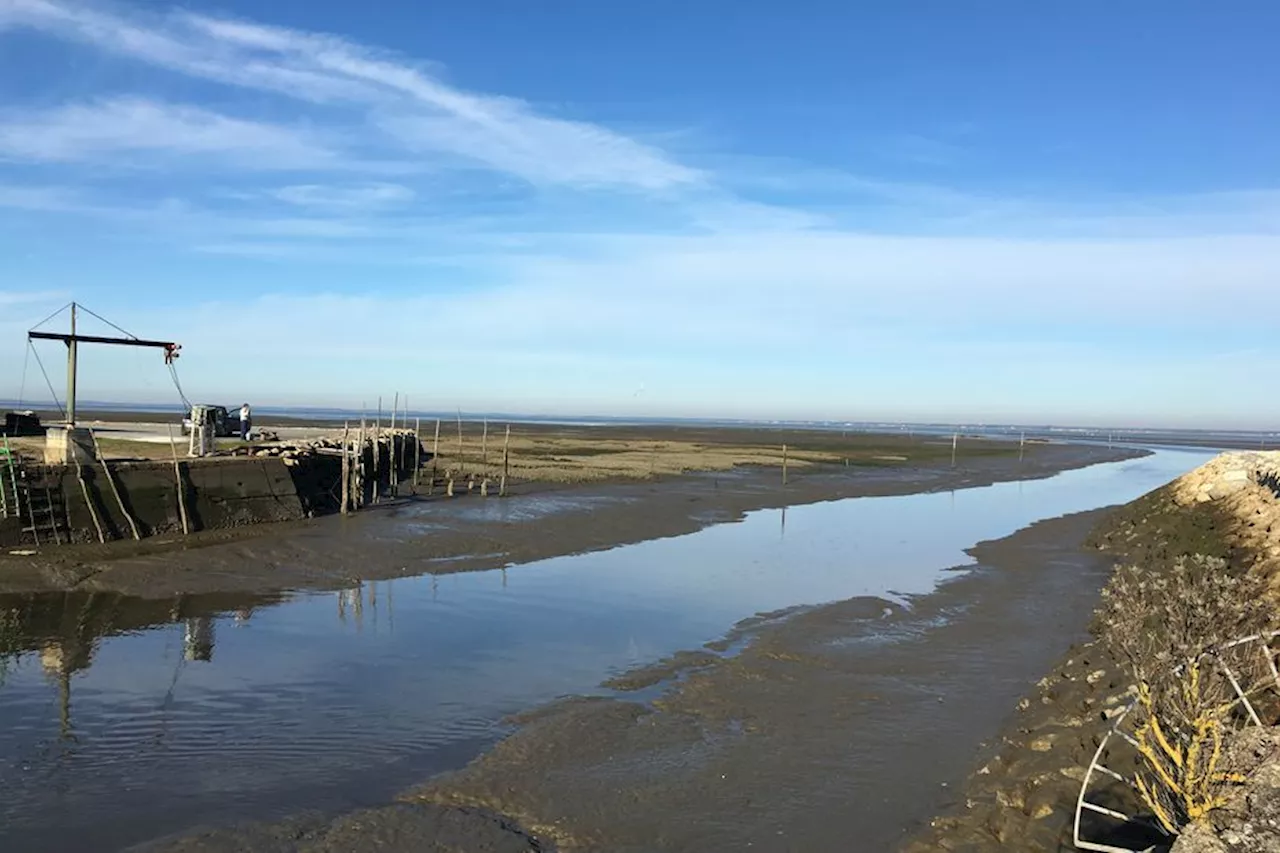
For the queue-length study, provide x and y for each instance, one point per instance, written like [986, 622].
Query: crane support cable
[51, 316]
[108, 322]
[173, 372]
[52, 393]
[26, 361]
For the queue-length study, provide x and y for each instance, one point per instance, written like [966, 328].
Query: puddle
[122, 720]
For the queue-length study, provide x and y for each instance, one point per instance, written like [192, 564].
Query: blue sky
[991, 211]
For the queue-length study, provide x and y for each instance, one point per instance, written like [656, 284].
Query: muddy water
[122, 720]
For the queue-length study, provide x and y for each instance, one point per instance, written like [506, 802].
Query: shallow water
[122, 720]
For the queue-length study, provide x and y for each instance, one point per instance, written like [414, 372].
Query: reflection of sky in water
[414, 520]
[337, 700]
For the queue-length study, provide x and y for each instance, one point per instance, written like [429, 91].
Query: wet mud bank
[439, 535]
[1023, 793]
[842, 726]
[837, 727]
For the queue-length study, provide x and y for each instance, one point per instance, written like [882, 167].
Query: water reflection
[64, 631]
[353, 602]
[124, 718]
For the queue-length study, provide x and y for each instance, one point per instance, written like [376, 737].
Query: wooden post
[393, 476]
[360, 466]
[784, 464]
[393, 451]
[177, 477]
[459, 441]
[955, 442]
[106, 473]
[417, 450]
[346, 467]
[435, 458]
[1022, 446]
[93, 512]
[506, 463]
[377, 453]
[484, 459]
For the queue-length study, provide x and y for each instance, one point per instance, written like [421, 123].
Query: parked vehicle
[224, 425]
[22, 423]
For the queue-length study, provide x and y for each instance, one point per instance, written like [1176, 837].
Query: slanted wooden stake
[93, 511]
[346, 468]
[177, 477]
[784, 464]
[106, 473]
[506, 463]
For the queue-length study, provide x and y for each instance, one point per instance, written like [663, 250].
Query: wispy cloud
[345, 198]
[416, 110]
[88, 132]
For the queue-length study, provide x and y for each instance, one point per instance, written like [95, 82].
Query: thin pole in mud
[417, 449]
[784, 464]
[377, 453]
[484, 452]
[955, 442]
[177, 478]
[346, 467]
[435, 457]
[391, 446]
[506, 463]
[106, 473]
[360, 466]
[459, 439]
[1022, 446]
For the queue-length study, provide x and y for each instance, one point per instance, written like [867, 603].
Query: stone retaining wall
[277, 485]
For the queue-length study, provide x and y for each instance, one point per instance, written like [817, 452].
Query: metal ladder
[9, 506]
[42, 504]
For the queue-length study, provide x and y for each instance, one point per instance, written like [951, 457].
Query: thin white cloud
[342, 198]
[415, 109]
[88, 132]
[43, 199]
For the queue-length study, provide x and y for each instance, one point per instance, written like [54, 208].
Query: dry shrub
[1171, 629]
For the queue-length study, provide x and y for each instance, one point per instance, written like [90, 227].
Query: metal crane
[72, 340]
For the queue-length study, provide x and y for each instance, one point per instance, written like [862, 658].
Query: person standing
[245, 422]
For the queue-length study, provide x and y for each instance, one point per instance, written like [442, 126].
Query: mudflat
[544, 518]
[844, 726]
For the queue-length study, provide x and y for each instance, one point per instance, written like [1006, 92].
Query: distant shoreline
[275, 416]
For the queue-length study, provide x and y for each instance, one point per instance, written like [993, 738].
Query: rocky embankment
[1023, 795]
